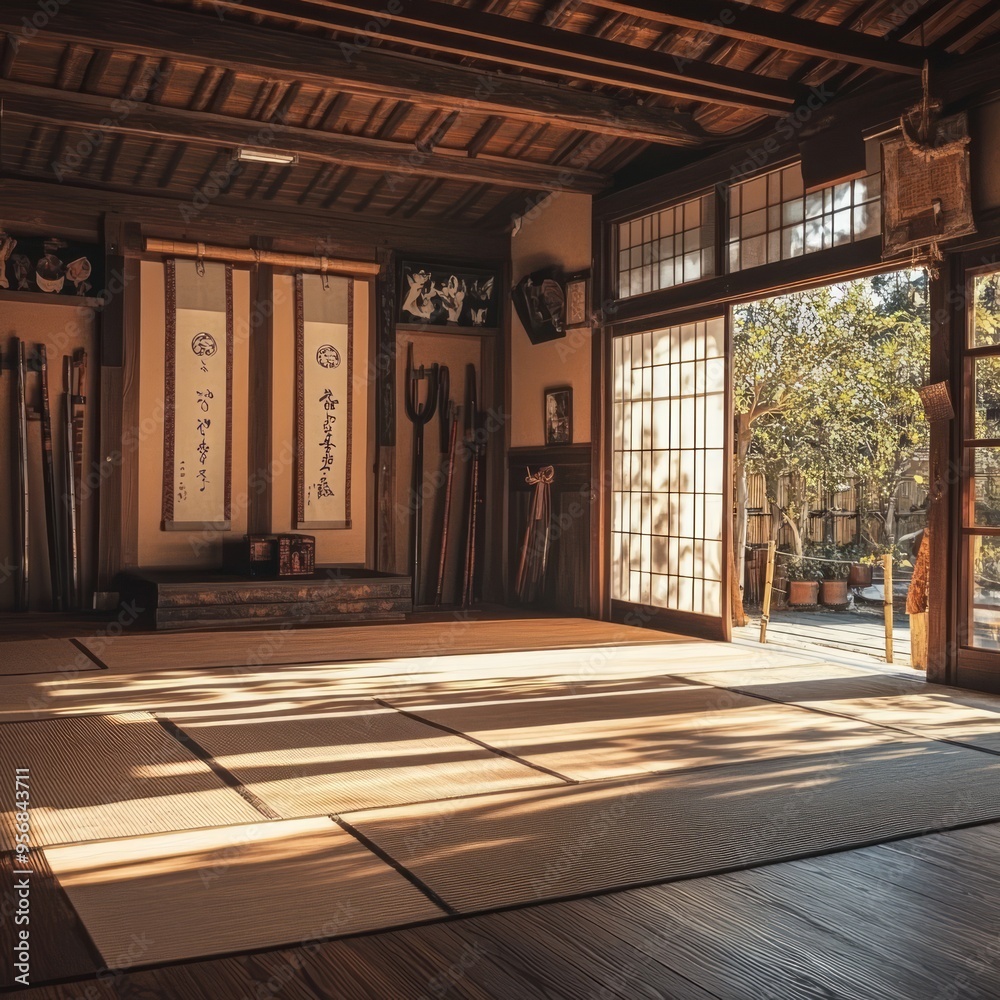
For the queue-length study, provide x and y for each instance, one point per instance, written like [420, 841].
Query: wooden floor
[671, 819]
[847, 634]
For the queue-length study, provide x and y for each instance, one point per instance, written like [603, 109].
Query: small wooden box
[261, 555]
[296, 555]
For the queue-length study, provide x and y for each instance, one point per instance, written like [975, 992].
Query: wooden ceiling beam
[43, 104]
[903, 26]
[775, 30]
[425, 196]
[343, 183]
[144, 29]
[442, 27]
[71, 64]
[8, 57]
[971, 25]
[93, 76]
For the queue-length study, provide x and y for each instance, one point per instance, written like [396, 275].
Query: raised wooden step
[187, 599]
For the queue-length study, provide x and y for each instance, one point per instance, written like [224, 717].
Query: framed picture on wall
[578, 300]
[439, 296]
[559, 415]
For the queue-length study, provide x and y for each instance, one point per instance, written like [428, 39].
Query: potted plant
[836, 569]
[860, 571]
[803, 585]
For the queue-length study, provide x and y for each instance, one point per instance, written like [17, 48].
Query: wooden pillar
[118, 411]
[385, 411]
[259, 427]
[601, 377]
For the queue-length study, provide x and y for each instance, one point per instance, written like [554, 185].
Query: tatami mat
[43, 656]
[110, 776]
[331, 645]
[306, 766]
[896, 700]
[520, 847]
[666, 728]
[265, 691]
[176, 896]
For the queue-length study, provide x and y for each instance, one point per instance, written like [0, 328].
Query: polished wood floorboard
[869, 924]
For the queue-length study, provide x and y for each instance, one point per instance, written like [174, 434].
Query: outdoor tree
[825, 394]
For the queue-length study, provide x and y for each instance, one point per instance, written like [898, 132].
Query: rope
[837, 562]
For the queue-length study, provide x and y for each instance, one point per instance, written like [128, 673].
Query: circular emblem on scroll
[204, 345]
[328, 356]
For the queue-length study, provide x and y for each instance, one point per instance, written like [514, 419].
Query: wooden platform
[180, 599]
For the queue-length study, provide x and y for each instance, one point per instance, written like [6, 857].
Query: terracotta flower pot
[861, 575]
[803, 593]
[833, 593]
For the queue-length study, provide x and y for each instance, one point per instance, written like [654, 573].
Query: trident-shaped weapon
[419, 414]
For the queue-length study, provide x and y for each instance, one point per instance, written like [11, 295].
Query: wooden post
[887, 603]
[768, 581]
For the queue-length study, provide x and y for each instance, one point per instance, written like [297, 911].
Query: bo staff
[472, 423]
[72, 566]
[443, 405]
[51, 489]
[452, 423]
[79, 426]
[21, 500]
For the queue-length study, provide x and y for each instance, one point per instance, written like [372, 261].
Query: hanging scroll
[325, 367]
[197, 450]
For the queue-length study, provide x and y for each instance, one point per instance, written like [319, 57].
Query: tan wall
[184, 548]
[204, 549]
[333, 546]
[986, 156]
[560, 234]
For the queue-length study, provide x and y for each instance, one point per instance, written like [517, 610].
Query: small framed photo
[559, 415]
[578, 300]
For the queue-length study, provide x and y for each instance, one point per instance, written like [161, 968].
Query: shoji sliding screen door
[671, 505]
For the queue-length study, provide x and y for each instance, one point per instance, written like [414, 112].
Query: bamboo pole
[768, 583]
[887, 604]
[244, 255]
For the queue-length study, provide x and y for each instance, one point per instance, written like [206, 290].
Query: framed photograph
[441, 296]
[578, 300]
[559, 415]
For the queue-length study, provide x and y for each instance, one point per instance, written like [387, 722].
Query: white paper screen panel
[669, 438]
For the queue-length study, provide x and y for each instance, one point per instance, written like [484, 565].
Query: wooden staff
[51, 489]
[79, 426]
[72, 565]
[21, 423]
[765, 615]
[453, 414]
[887, 604]
[244, 255]
[472, 417]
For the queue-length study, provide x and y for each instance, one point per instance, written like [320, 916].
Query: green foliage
[826, 387]
[801, 568]
[837, 560]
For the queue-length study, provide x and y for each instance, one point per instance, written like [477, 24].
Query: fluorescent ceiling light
[245, 155]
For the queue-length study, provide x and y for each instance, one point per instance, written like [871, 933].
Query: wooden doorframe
[969, 666]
